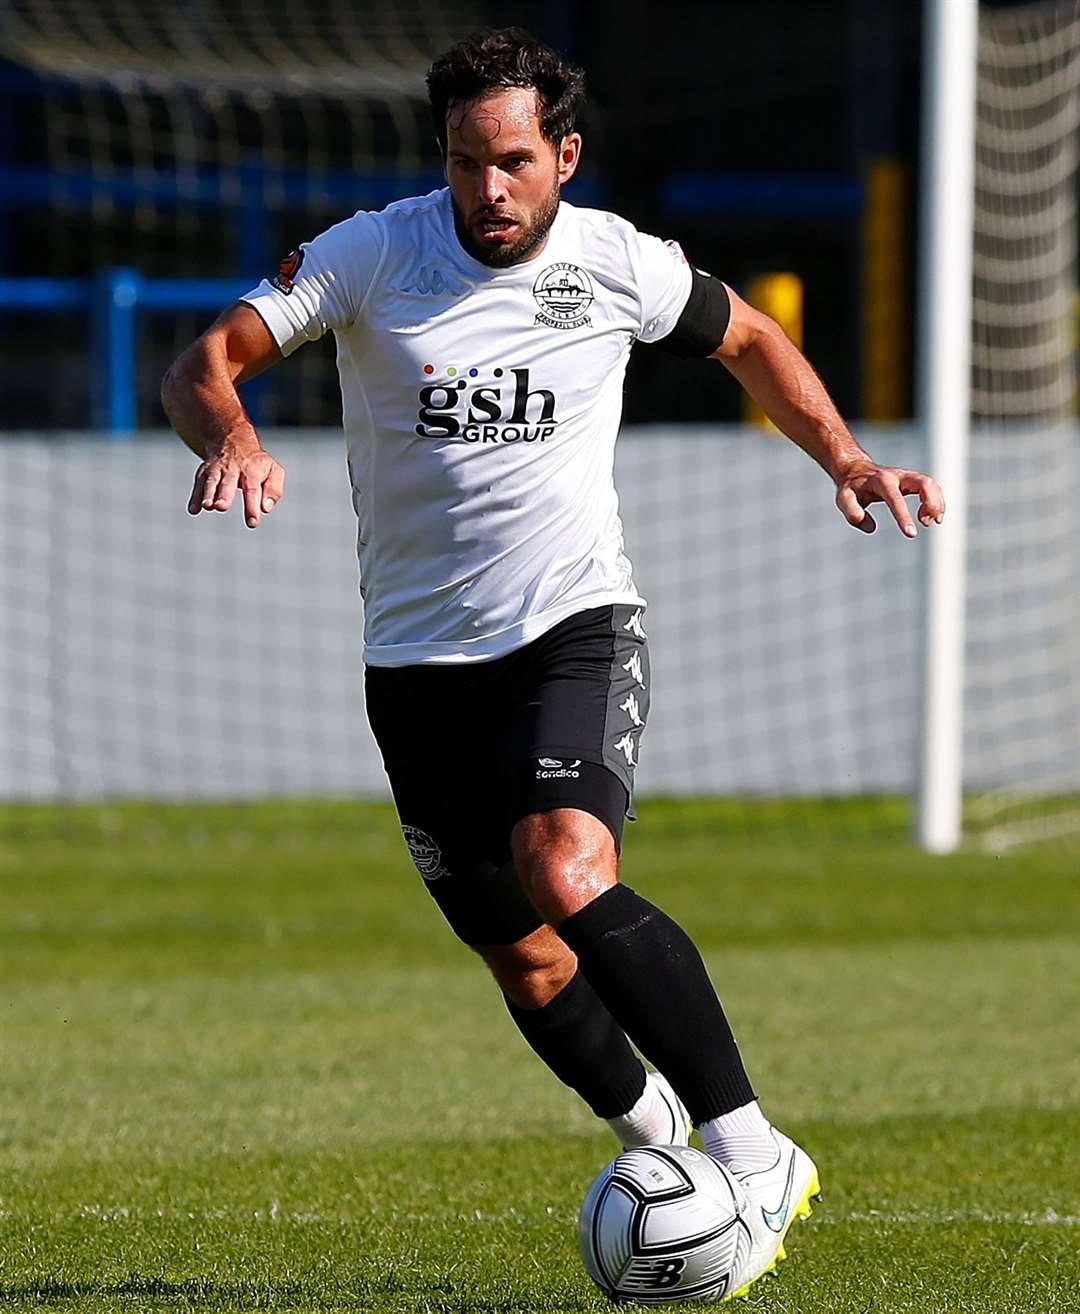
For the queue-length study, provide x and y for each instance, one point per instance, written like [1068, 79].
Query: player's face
[504, 176]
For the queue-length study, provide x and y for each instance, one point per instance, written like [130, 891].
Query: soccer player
[483, 333]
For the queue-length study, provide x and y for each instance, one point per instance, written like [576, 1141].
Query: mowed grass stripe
[948, 1029]
[243, 1066]
[349, 1232]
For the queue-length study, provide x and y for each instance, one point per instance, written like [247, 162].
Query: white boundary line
[273, 1213]
[1026, 1218]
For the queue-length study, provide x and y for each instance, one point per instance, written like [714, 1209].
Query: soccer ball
[662, 1223]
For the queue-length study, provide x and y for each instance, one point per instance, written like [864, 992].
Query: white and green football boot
[778, 1195]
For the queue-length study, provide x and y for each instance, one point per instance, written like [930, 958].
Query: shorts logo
[564, 294]
[425, 853]
[553, 768]
[625, 745]
[633, 669]
[632, 709]
[634, 626]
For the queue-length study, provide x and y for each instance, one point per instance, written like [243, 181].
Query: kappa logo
[564, 294]
[553, 768]
[632, 709]
[634, 625]
[633, 669]
[430, 282]
[425, 853]
[625, 745]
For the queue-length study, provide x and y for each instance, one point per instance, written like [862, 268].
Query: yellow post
[885, 301]
[780, 296]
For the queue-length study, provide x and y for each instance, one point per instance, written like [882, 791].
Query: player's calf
[584, 1047]
[533, 970]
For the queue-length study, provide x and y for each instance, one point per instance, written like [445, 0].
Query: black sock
[648, 972]
[581, 1043]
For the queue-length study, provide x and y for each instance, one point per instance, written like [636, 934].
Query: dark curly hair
[506, 57]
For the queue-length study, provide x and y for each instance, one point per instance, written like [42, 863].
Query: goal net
[785, 645]
[1022, 749]
[274, 117]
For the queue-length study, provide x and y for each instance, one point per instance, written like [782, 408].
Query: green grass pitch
[242, 1066]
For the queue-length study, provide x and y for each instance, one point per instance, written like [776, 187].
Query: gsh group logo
[504, 412]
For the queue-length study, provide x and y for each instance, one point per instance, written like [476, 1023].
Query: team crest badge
[564, 294]
[287, 271]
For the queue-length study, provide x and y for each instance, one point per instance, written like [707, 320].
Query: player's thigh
[581, 703]
[451, 799]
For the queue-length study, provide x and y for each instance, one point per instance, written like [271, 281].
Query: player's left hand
[860, 487]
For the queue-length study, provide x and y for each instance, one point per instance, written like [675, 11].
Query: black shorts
[471, 749]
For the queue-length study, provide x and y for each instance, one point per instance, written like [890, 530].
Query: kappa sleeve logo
[283, 280]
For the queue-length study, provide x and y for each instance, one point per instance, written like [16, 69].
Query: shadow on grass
[192, 1292]
[210, 1293]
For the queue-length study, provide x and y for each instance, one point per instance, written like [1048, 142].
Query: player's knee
[564, 859]
[532, 971]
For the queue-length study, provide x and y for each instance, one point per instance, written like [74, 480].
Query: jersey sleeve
[663, 281]
[322, 285]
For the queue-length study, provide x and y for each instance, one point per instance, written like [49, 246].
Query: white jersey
[481, 407]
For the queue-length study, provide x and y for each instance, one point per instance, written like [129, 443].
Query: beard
[530, 237]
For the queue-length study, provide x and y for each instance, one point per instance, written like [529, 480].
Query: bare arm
[782, 381]
[199, 395]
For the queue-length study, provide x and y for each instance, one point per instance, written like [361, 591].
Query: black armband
[701, 326]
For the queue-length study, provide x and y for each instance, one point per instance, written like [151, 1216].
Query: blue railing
[113, 299]
[112, 302]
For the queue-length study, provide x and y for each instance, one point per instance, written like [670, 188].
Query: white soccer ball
[664, 1223]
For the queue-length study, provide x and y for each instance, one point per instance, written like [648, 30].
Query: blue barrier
[42, 293]
[248, 183]
[114, 297]
[112, 300]
[777, 195]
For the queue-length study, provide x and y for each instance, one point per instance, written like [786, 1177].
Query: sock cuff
[620, 1097]
[720, 1095]
[616, 909]
[746, 1120]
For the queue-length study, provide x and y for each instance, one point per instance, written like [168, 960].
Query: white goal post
[944, 373]
[999, 751]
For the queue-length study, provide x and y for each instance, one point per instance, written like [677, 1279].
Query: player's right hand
[258, 476]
